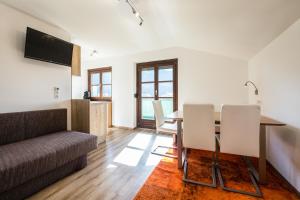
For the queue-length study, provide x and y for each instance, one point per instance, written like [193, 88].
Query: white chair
[199, 133]
[163, 126]
[240, 125]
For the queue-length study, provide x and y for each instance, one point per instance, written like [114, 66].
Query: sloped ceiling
[235, 28]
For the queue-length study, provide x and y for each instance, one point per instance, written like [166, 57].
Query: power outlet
[56, 92]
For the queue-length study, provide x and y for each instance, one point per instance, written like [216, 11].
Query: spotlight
[135, 12]
[93, 53]
[141, 23]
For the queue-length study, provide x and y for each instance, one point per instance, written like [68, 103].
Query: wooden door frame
[154, 64]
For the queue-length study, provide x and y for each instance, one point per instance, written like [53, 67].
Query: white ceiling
[235, 28]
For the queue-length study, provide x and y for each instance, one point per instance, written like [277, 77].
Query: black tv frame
[46, 60]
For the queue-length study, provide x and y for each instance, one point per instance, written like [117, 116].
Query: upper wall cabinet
[76, 61]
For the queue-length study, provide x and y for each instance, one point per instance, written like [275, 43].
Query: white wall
[203, 78]
[27, 84]
[276, 70]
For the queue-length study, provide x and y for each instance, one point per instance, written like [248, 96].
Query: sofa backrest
[12, 127]
[39, 123]
[15, 127]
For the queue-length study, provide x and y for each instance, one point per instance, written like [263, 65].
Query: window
[100, 86]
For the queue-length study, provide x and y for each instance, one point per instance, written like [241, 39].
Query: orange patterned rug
[165, 182]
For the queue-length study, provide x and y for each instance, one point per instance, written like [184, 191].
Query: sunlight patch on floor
[111, 166]
[163, 141]
[129, 157]
[140, 146]
[153, 160]
[140, 141]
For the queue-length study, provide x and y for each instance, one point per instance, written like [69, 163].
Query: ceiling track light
[135, 12]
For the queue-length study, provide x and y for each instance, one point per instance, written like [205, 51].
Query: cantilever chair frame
[185, 178]
[213, 173]
[251, 171]
[164, 154]
[159, 123]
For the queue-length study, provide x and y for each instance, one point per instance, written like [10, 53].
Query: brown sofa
[36, 150]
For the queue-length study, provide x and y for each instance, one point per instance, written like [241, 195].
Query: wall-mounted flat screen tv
[44, 47]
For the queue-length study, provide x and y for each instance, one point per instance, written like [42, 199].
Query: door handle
[155, 92]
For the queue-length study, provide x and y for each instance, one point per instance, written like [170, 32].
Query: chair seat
[170, 128]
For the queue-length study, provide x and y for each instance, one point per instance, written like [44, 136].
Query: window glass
[147, 109]
[165, 89]
[165, 73]
[148, 90]
[95, 91]
[148, 75]
[106, 91]
[106, 78]
[95, 79]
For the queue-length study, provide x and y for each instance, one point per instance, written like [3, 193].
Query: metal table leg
[179, 144]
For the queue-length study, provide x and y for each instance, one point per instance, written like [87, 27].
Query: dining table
[265, 122]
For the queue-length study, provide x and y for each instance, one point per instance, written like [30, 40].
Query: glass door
[155, 81]
[166, 88]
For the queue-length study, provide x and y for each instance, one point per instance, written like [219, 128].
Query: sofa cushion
[12, 128]
[70, 145]
[39, 123]
[22, 161]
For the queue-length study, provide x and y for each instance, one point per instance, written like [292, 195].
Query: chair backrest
[158, 112]
[240, 125]
[199, 126]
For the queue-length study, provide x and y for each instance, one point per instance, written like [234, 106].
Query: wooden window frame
[100, 71]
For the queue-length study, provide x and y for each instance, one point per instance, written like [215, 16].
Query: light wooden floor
[116, 170]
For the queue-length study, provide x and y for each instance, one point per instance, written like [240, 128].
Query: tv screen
[44, 47]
